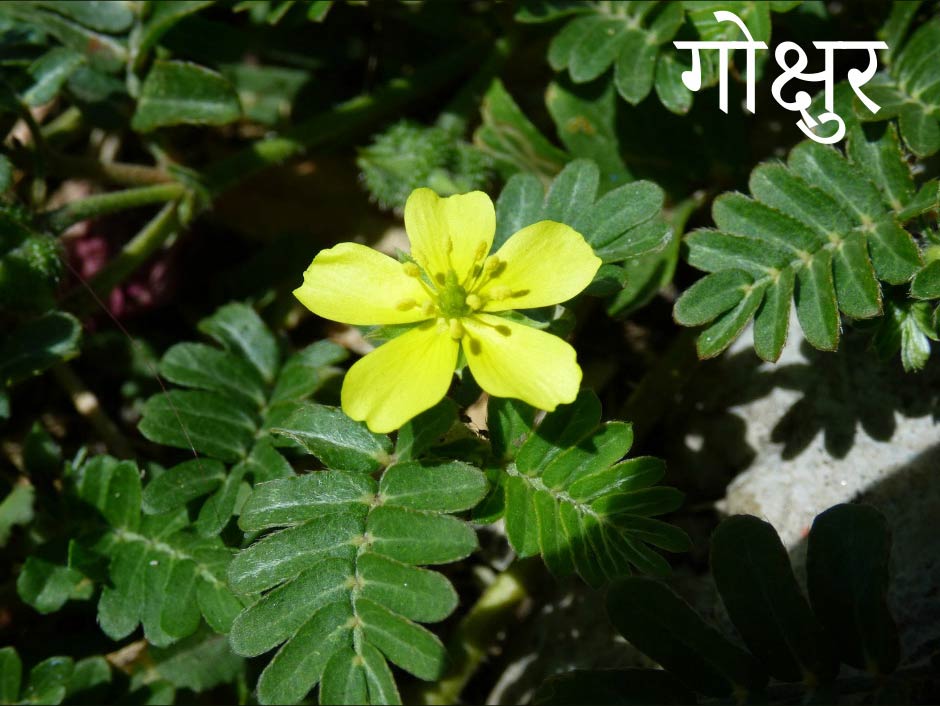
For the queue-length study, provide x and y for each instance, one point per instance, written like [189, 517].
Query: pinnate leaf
[822, 231]
[340, 578]
[569, 497]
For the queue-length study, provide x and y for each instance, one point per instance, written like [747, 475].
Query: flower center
[452, 298]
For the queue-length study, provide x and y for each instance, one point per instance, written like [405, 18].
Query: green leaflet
[926, 284]
[753, 574]
[663, 626]
[47, 586]
[51, 681]
[85, 27]
[585, 120]
[820, 231]
[421, 433]
[511, 140]
[909, 90]
[630, 39]
[177, 92]
[847, 576]
[38, 344]
[239, 330]
[199, 663]
[238, 394]
[340, 582]
[567, 498]
[622, 223]
[845, 620]
[162, 17]
[49, 72]
[161, 573]
[636, 39]
[16, 509]
[335, 439]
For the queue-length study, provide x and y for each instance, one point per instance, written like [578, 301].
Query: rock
[840, 427]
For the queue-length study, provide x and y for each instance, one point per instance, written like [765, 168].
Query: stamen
[406, 304]
[456, 329]
[474, 301]
[492, 262]
[427, 308]
[500, 292]
[411, 269]
[481, 251]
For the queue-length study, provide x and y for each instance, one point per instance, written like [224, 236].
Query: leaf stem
[68, 122]
[133, 255]
[479, 630]
[328, 126]
[102, 204]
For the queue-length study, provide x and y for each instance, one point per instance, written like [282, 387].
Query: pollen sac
[474, 302]
[500, 292]
[406, 304]
[456, 329]
[411, 269]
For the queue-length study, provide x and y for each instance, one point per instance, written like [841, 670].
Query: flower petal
[544, 263]
[449, 233]
[513, 360]
[353, 284]
[400, 379]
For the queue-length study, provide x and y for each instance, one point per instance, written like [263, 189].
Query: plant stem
[329, 126]
[132, 256]
[102, 204]
[479, 630]
[118, 173]
[65, 124]
[338, 122]
[86, 404]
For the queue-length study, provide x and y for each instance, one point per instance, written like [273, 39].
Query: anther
[474, 301]
[492, 262]
[406, 304]
[481, 251]
[411, 269]
[456, 329]
[500, 292]
[427, 308]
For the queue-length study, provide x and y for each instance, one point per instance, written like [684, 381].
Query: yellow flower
[452, 290]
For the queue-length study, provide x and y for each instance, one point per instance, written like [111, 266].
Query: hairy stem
[102, 204]
[118, 173]
[86, 404]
